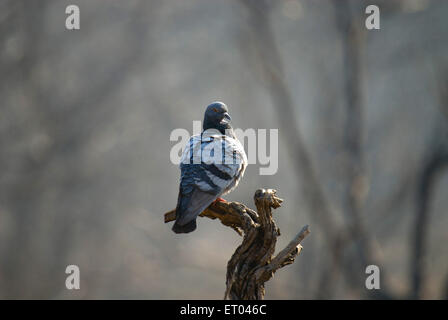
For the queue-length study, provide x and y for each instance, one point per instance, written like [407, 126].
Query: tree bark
[252, 263]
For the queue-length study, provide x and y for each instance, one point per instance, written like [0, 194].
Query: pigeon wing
[203, 182]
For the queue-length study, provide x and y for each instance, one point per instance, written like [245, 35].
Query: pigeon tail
[186, 228]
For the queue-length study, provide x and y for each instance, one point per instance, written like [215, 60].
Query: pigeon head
[217, 117]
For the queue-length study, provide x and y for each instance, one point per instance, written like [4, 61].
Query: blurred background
[86, 116]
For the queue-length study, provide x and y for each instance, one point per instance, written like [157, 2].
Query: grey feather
[199, 201]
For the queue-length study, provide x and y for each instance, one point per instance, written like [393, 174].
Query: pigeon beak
[226, 118]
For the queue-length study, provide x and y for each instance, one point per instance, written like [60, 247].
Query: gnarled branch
[252, 264]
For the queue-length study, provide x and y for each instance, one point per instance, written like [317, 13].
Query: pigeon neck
[224, 128]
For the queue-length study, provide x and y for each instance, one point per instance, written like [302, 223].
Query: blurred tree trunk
[432, 168]
[350, 25]
[419, 236]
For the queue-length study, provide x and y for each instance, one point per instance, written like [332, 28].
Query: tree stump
[252, 263]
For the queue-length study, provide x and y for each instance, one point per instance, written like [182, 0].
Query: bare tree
[252, 263]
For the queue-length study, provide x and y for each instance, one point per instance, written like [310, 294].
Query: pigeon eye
[216, 110]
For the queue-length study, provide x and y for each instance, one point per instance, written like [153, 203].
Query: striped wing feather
[201, 183]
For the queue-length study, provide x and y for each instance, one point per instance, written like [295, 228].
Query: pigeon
[212, 165]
